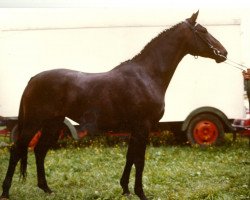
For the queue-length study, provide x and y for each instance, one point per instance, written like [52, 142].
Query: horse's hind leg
[40, 153]
[18, 150]
[49, 137]
[14, 158]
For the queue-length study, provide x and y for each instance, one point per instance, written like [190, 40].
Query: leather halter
[196, 33]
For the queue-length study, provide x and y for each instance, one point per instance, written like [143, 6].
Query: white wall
[99, 38]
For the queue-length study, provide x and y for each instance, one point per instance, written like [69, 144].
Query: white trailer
[203, 97]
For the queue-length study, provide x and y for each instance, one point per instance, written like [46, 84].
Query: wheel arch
[208, 110]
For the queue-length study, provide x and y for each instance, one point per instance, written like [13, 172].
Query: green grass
[92, 171]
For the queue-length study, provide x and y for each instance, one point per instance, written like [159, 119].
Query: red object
[205, 132]
[243, 125]
[111, 133]
[4, 132]
[82, 134]
[35, 140]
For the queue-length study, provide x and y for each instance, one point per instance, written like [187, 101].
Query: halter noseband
[196, 33]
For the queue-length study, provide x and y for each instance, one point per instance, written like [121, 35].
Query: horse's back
[48, 92]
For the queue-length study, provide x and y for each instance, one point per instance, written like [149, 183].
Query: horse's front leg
[136, 156]
[139, 161]
[126, 173]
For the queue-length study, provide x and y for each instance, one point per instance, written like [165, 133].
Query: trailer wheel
[205, 130]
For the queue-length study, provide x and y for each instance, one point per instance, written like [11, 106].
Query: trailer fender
[209, 110]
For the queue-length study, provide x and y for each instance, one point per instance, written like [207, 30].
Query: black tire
[205, 130]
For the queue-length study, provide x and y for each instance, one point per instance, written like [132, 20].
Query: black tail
[23, 164]
[21, 143]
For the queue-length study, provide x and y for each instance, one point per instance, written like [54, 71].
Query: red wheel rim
[205, 132]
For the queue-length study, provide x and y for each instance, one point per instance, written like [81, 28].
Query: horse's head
[201, 42]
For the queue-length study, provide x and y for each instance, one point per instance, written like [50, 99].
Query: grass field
[93, 170]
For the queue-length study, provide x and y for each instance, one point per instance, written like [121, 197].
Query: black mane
[162, 35]
[149, 46]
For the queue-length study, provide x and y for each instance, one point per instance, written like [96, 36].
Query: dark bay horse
[131, 97]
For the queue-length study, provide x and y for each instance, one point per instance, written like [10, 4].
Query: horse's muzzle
[220, 56]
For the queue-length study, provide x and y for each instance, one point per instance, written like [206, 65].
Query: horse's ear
[192, 19]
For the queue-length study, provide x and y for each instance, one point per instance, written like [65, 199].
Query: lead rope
[233, 63]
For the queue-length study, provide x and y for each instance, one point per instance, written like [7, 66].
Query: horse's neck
[162, 58]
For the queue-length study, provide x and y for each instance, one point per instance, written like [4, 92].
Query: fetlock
[124, 186]
[4, 196]
[139, 192]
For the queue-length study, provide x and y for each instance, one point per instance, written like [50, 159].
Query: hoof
[126, 194]
[4, 198]
[126, 191]
[46, 189]
[141, 196]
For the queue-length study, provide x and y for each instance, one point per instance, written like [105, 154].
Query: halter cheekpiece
[196, 33]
